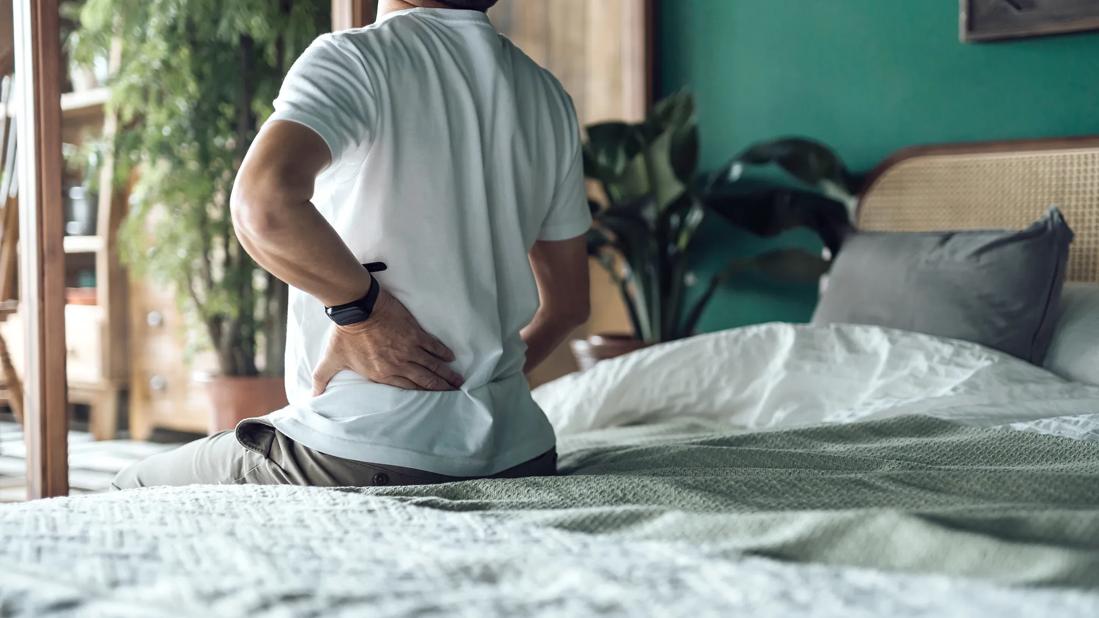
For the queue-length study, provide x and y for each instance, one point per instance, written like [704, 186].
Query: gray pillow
[996, 288]
[1074, 347]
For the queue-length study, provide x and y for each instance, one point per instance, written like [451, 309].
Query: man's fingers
[399, 382]
[439, 368]
[424, 378]
[437, 348]
[324, 373]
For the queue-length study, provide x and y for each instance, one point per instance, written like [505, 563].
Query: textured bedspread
[637, 525]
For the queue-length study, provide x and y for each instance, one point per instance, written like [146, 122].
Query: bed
[776, 469]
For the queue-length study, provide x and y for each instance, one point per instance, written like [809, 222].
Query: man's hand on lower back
[389, 348]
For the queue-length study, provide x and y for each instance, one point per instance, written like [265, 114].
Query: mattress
[976, 505]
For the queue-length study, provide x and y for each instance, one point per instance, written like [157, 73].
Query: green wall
[866, 77]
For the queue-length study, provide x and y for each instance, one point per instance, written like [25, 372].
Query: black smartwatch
[358, 310]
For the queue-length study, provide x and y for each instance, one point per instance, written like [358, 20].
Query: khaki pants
[257, 453]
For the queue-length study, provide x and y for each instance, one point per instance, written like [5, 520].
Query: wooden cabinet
[87, 334]
[166, 388]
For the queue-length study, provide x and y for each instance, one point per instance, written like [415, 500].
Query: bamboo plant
[650, 202]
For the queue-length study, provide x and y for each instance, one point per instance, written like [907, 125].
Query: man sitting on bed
[430, 143]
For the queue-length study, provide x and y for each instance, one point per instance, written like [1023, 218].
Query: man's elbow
[255, 212]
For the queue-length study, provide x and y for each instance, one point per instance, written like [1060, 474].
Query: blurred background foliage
[192, 82]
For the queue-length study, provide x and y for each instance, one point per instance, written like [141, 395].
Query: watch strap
[358, 310]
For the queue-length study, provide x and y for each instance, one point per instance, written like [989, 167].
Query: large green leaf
[609, 149]
[684, 153]
[649, 177]
[658, 157]
[634, 188]
[664, 183]
[809, 161]
[674, 116]
[768, 212]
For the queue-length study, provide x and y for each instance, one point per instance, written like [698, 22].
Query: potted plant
[650, 201]
[194, 81]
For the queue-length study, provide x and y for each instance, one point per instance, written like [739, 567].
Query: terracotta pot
[602, 346]
[233, 399]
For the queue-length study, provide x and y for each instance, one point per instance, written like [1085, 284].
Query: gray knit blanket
[902, 517]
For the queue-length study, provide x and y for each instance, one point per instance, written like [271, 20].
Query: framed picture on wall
[991, 20]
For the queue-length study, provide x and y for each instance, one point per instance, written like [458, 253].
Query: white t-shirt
[452, 153]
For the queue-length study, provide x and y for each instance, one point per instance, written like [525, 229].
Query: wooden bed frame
[991, 185]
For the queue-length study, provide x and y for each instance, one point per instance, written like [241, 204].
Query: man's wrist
[353, 292]
[358, 310]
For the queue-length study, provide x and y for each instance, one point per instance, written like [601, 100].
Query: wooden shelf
[83, 244]
[84, 103]
[85, 100]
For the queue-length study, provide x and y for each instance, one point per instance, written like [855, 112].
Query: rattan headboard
[998, 185]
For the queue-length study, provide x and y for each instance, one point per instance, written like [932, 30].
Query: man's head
[472, 5]
[388, 6]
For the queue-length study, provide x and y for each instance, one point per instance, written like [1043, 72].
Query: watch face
[347, 314]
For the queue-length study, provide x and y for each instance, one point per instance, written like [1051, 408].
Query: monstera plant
[650, 202]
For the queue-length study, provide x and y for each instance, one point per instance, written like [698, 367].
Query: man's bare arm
[281, 229]
[561, 272]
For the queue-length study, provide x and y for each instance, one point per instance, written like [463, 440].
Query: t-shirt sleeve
[328, 90]
[568, 215]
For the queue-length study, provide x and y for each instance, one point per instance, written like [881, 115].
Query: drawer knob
[157, 383]
[154, 318]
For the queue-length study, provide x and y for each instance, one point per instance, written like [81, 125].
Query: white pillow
[1074, 350]
[784, 375]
